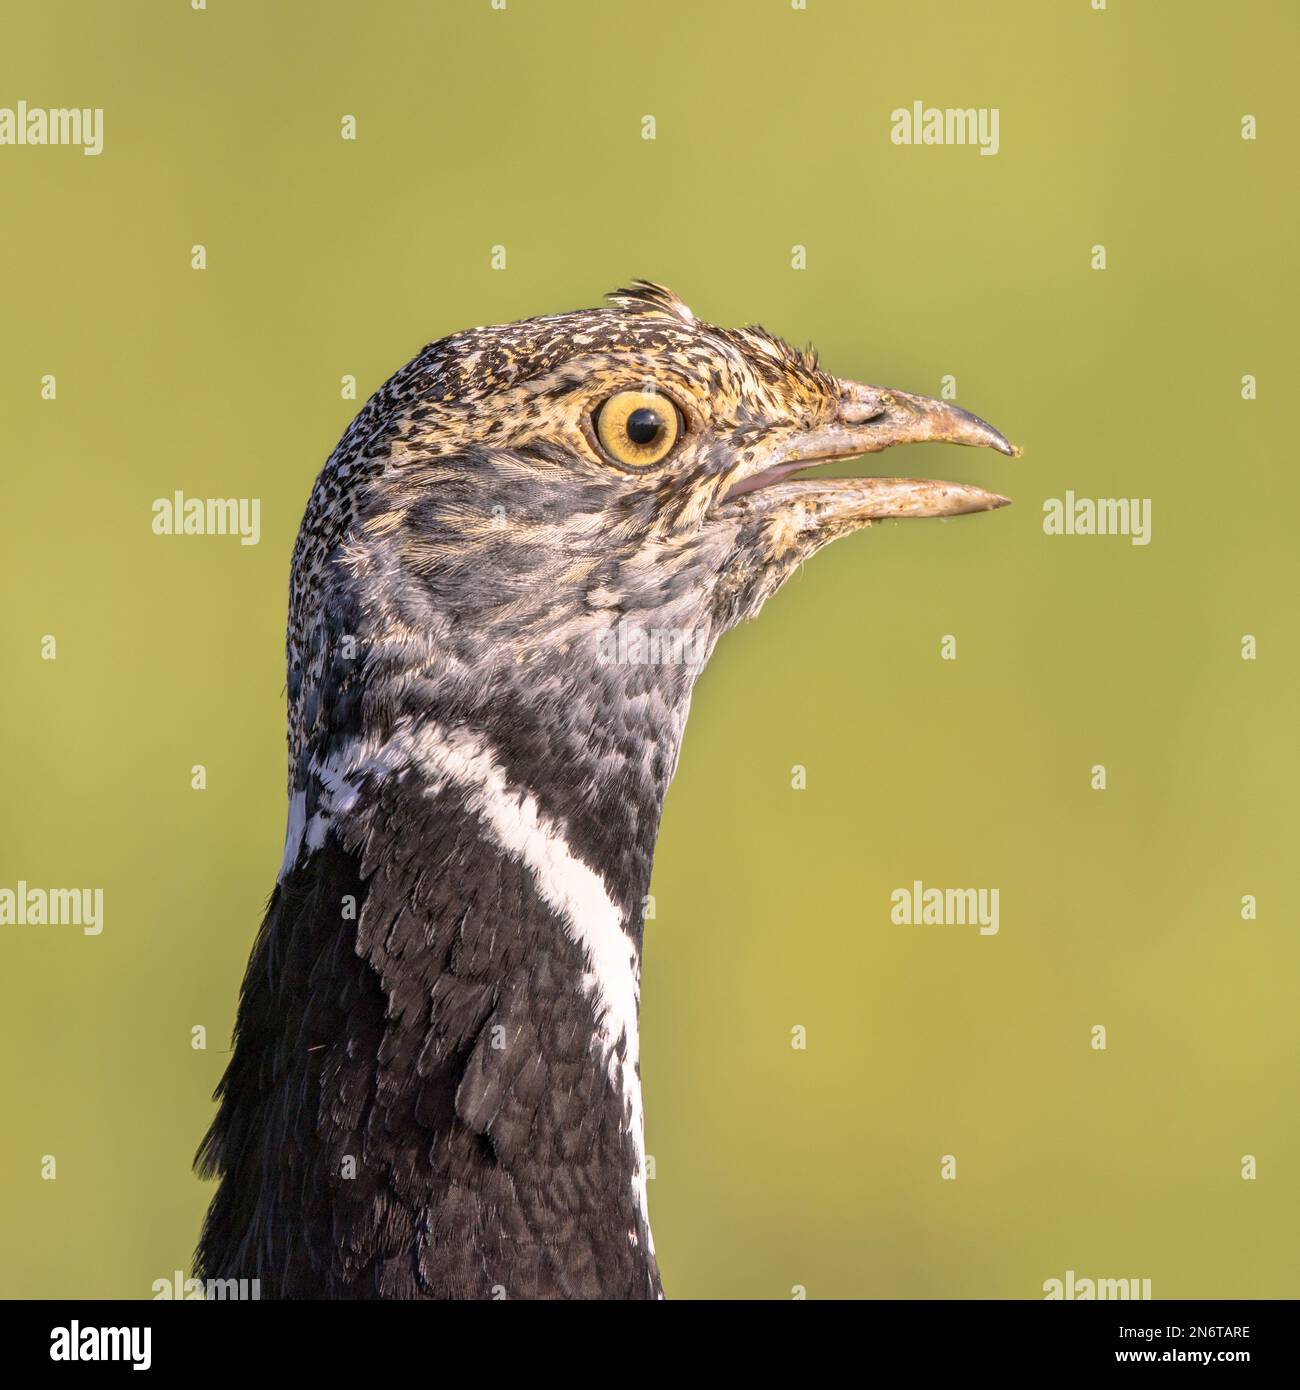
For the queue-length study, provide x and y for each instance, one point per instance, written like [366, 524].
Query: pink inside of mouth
[775, 474]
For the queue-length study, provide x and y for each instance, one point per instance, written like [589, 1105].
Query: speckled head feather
[470, 507]
[509, 576]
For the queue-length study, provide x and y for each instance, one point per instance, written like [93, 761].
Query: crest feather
[645, 297]
[805, 357]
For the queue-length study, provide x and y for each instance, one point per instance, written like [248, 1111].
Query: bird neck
[451, 969]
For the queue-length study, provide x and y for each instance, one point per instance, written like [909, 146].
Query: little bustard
[434, 1090]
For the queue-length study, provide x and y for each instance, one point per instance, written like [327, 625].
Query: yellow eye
[638, 428]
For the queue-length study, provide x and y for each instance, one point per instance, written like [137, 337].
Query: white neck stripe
[574, 890]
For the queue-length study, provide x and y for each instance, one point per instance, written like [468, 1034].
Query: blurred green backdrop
[522, 128]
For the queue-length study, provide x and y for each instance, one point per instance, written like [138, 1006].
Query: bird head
[542, 528]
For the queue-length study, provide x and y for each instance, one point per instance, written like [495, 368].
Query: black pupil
[643, 425]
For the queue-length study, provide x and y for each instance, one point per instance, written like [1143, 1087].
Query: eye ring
[638, 429]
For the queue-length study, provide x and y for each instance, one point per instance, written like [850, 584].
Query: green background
[775, 1167]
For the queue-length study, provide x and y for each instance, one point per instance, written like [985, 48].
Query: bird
[508, 578]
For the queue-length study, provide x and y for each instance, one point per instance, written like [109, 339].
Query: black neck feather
[414, 1107]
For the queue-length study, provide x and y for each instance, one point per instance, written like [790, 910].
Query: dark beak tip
[1002, 444]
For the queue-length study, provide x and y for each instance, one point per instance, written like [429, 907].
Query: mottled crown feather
[646, 297]
[805, 357]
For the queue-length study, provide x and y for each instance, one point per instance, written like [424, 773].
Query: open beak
[869, 419]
